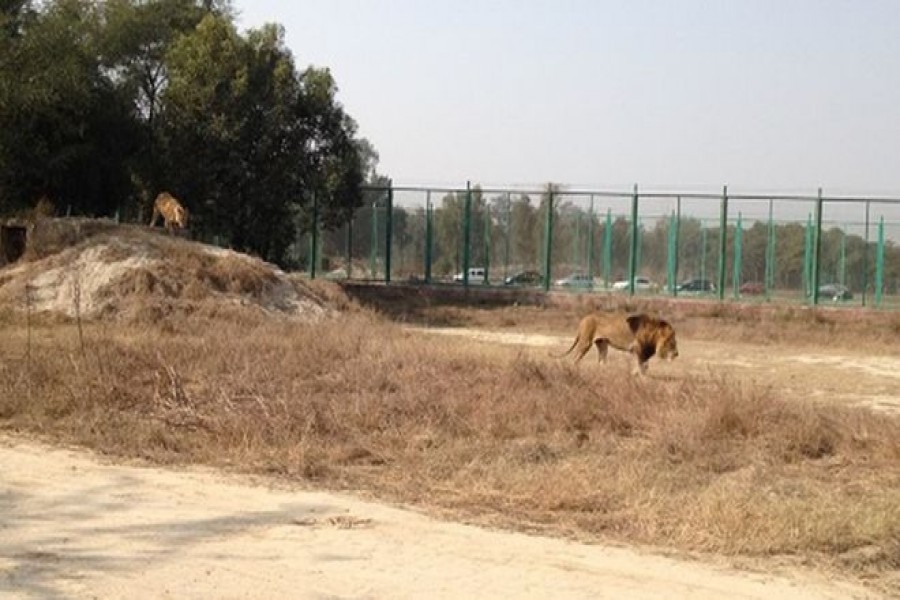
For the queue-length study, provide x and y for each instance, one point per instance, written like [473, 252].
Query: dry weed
[493, 434]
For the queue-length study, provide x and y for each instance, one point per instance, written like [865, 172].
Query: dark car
[835, 291]
[524, 278]
[752, 288]
[696, 286]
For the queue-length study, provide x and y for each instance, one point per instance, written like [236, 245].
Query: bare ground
[75, 527]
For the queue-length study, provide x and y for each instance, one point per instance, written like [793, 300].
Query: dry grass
[490, 435]
[799, 327]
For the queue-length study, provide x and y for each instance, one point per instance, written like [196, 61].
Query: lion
[173, 213]
[639, 334]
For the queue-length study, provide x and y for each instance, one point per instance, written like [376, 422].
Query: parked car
[524, 278]
[576, 280]
[696, 286]
[476, 275]
[752, 288]
[641, 284]
[835, 291]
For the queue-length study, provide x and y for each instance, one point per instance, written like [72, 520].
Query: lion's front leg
[640, 365]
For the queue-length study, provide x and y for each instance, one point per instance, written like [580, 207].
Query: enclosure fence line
[781, 251]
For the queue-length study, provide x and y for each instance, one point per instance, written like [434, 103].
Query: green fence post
[373, 242]
[429, 235]
[879, 264]
[314, 238]
[639, 260]
[770, 256]
[807, 258]
[508, 231]
[607, 249]
[388, 231]
[349, 246]
[723, 241]
[738, 258]
[677, 243]
[548, 238]
[842, 263]
[487, 240]
[576, 241]
[817, 249]
[703, 252]
[590, 248]
[632, 255]
[670, 254]
[467, 232]
[865, 258]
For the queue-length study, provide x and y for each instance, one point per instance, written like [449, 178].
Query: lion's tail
[566, 353]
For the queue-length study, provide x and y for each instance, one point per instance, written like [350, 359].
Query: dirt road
[75, 527]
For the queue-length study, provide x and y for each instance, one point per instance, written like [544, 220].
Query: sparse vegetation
[186, 365]
[491, 435]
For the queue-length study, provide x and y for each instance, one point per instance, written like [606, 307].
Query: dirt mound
[135, 273]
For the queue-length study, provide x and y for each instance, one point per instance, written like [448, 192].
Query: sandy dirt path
[75, 527]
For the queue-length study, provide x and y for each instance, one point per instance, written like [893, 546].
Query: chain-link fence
[801, 249]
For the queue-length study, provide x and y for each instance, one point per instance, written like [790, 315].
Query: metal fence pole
[607, 249]
[807, 258]
[703, 252]
[590, 242]
[842, 263]
[879, 264]
[467, 232]
[670, 253]
[388, 231]
[677, 243]
[738, 258]
[349, 247]
[508, 231]
[373, 241]
[429, 235]
[723, 240]
[769, 282]
[314, 238]
[487, 239]
[865, 287]
[817, 249]
[632, 255]
[576, 241]
[548, 238]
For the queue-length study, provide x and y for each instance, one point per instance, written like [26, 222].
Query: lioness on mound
[173, 213]
[640, 334]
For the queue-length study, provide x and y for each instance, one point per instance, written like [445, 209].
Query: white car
[576, 280]
[641, 284]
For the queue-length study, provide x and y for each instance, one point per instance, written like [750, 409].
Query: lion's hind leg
[581, 348]
[602, 345]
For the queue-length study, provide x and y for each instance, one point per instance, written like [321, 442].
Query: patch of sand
[75, 528]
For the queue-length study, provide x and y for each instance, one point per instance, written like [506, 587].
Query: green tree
[65, 130]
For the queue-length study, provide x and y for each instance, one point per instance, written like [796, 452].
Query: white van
[476, 275]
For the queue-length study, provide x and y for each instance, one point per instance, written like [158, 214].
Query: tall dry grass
[488, 434]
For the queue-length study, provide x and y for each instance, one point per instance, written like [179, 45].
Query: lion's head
[654, 336]
[181, 216]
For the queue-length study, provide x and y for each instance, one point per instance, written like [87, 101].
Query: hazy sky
[762, 95]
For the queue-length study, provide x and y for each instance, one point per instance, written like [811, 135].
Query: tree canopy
[105, 104]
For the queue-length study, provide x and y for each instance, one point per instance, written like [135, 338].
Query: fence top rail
[643, 194]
